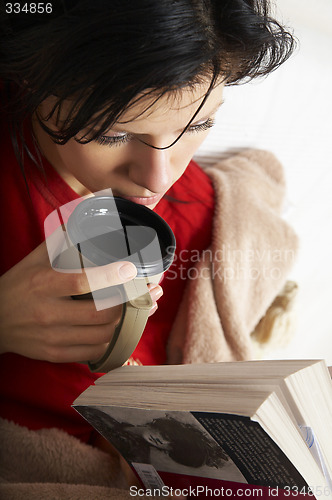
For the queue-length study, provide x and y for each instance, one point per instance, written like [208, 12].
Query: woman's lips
[149, 200]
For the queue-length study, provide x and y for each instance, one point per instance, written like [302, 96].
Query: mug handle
[137, 303]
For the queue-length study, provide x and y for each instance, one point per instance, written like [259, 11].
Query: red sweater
[39, 394]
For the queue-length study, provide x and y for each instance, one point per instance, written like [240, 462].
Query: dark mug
[104, 229]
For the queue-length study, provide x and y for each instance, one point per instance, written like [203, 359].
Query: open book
[266, 423]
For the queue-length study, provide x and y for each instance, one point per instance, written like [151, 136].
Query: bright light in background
[290, 114]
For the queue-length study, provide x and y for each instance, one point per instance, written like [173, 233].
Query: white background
[290, 114]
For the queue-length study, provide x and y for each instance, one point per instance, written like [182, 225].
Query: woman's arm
[41, 321]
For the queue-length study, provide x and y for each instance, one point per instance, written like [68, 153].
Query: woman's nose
[151, 168]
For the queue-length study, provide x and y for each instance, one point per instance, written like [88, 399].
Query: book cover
[195, 450]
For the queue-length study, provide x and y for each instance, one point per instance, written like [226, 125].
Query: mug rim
[139, 215]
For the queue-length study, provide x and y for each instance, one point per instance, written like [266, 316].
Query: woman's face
[120, 161]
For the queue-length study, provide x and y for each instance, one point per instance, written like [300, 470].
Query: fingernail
[153, 309]
[127, 271]
[156, 292]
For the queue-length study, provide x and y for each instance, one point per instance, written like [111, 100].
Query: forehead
[176, 106]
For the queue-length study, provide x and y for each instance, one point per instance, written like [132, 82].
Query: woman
[119, 95]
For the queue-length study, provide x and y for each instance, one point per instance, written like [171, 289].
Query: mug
[103, 229]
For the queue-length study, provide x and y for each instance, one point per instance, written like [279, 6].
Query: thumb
[110, 275]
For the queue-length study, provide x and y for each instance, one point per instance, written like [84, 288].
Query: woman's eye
[113, 140]
[200, 127]
[122, 138]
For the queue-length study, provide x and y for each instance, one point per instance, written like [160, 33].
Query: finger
[110, 275]
[91, 279]
[84, 312]
[155, 291]
[81, 335]
[153, 310]
[74, 354]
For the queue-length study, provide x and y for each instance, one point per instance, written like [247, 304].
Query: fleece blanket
[237, 304]
[241, 277]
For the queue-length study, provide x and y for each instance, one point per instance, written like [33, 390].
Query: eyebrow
[212, 112]
[205, 117]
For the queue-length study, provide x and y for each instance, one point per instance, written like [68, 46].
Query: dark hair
[102, 55]
[188, 445]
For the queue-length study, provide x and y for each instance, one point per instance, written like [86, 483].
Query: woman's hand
[39, 319]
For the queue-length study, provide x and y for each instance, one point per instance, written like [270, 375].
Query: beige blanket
[226, 311]
[242, 276]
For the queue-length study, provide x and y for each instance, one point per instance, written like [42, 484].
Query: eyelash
[118, 140]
